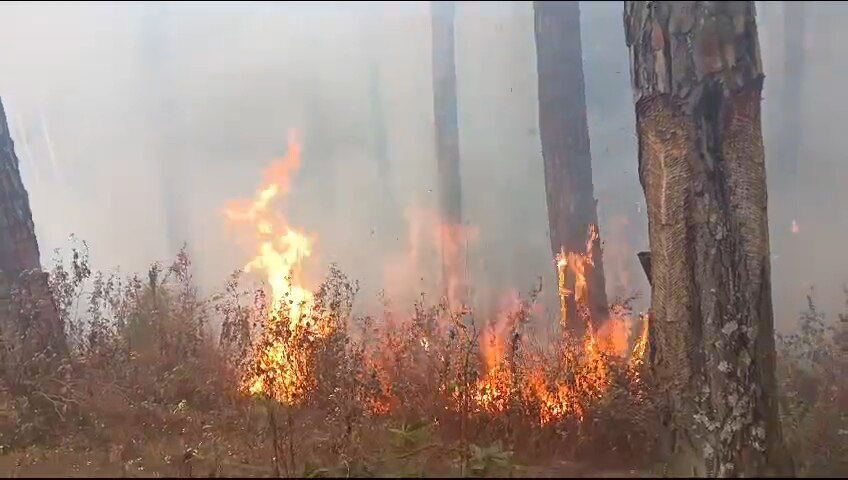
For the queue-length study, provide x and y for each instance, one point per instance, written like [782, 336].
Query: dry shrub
[814, 393]
[155, 375]
[152, 375]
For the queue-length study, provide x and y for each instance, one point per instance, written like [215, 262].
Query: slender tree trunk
[697, 79]
[381, 144]
[791, 135]
[564, 134]
[20, 263]
[447, 149]
[164, 118]
[791, 132]
[18, 245]
[392, 217]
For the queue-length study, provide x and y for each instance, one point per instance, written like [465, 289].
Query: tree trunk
[164, 121]
[18, 245]
[20, 263]
[447, 150]
[697, 78]
[565, 143]
[392, 216]
[789, 138]
[791, 131]
[381, 144]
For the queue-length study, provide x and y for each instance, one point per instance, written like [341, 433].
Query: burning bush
[294, 383]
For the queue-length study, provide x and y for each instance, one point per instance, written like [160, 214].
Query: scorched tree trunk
[697, 78]
[564, 135]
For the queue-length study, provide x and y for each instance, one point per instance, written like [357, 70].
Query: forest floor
[149, 391]
[37, 463]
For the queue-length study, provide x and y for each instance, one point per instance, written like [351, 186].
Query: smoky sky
[136, 122]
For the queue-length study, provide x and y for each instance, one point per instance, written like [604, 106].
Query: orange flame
[453, 241]
[283, 363]
[430, 243]
[557, 399]
[493, 390]
[641, 347]
[280, 369]
[576, 262]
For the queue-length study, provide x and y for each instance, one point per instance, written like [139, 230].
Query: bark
[564, 135]
[18, 245]
[20, 264]
[697, 78]
[645, 261]
[447, 148]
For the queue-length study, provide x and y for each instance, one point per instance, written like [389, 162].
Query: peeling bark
[564, 133]
[447, 144]
[645, 261]
[697, 79]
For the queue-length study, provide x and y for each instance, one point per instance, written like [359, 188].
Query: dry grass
[152, 387]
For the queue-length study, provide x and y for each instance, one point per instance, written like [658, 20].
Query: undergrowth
[152, 381]
[814, 393]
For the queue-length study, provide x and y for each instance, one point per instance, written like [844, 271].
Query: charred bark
[564, 133]
[645, 261]
[23, 286]
[697, 78]
[447, 142]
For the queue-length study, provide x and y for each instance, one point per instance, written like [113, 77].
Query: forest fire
[282, 369]
[430, 360]
[284, 361]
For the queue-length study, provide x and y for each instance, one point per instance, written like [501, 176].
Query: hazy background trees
[78, 79]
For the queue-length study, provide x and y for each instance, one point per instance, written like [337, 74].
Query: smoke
[136, 122]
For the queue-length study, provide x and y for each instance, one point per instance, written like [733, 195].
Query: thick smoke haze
[135, 123]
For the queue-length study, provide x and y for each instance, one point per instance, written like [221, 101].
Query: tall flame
[576, 262]
[281, 366]
[557, 398]
[284, 361]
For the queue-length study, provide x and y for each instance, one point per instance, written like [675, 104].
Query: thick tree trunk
[697, 78]
[447, 149]
[18, 245]
[20, 264]
[565, 142]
